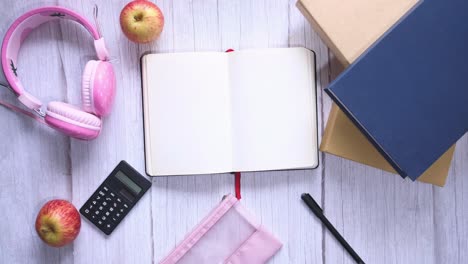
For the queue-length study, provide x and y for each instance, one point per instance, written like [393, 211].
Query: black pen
[312, 204]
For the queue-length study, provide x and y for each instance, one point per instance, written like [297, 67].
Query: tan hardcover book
[349, 28]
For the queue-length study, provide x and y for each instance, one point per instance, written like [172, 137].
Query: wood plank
[272, 195]
[310, 230]
[451, 211]
[385, 218]
[34, 159]
[180, 202]
[121, 138]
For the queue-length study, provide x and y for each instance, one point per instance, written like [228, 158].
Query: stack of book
[399, 107]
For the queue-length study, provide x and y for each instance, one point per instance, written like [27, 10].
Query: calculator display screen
[128, 182]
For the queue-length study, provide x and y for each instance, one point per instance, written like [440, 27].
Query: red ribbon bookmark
[237, 184]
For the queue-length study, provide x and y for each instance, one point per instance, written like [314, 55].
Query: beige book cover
[349, 28]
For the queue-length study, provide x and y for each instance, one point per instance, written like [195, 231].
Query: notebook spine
[146, 125]
[366, 134]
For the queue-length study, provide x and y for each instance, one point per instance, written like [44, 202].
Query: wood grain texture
[120, 139]
[35, 160]
[385, 218]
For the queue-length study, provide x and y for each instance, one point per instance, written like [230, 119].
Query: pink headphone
[98, 82]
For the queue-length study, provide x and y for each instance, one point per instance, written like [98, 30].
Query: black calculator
[116, 196]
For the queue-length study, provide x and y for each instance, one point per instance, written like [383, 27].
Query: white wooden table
[386, 219]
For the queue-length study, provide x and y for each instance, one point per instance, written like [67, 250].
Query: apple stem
[138, 17]
[46, 229]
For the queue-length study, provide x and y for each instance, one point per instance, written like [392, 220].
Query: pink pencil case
[229, 234]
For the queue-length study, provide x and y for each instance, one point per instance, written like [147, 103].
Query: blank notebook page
[215, 112]
[187, 113]
[274, 115]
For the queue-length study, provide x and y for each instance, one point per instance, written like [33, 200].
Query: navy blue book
[409, 92]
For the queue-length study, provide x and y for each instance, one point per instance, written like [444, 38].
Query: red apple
[141, 21]
[58, 223]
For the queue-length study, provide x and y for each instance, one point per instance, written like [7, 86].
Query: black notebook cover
[409, 93]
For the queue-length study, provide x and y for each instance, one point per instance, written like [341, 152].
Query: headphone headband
[21, 28]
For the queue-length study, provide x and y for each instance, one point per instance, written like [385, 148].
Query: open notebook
[213, 112]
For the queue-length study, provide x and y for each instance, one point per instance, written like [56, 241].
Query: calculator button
[108, 199]
[103, 218]
[100, 208]
[101, 193]
[107, 213]
[86, 211]
[117, 215]
[112, 194]
[97, 212]
[98, 197]
[108, 226]
[118, 200]
[111, 209]
[90, 207]
[99, 222]
[114, 219]
[93, 202]
[93, 217]
[105, 188]
[125, 205]
[115, 205]
[121, 210]
[104, 203]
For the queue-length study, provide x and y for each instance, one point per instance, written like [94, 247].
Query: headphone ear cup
[98, 87]
[71, 121]
[86, 86]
